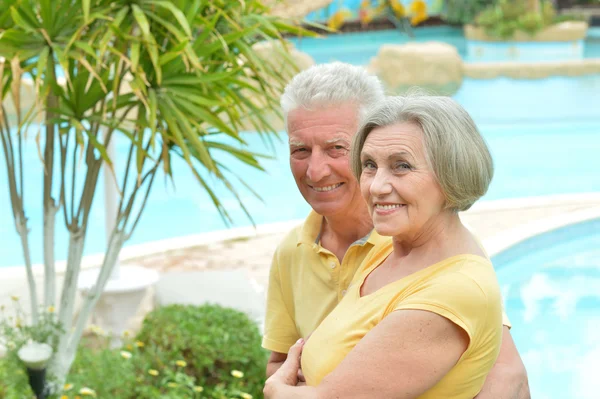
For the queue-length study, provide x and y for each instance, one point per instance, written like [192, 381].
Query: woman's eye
[403, 166]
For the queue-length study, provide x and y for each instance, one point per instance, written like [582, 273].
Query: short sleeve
[280, 329]
[458, 298]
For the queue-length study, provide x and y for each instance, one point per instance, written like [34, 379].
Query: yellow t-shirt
[463, 288]
[307, 281]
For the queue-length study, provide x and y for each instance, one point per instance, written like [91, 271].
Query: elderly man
[315, 262]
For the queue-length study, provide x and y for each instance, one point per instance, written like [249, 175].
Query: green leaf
[89, 50]
[141, 19]
[152, 48]
[135, 55]
[41, 63]
[95, 143]
[190, 133]
[86, 10]
[177, 13]
[152, 109]
[247, 157]
[23, 21]
[179, 35]
[198, 80]
[191, 94]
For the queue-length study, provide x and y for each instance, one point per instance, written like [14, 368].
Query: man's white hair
[330, 84]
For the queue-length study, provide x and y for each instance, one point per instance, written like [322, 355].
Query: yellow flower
[398, 8]
[418, 7]
[172, 385]
[77, 397]
[237, 373]
[85, 391]
[67, 387]
[153, 372]
[198, 389]
[51, 309]
[129, 347]
[337, 19]
[245, 395]
[126, 333]
[64, 397]
[181, 363]
[139, 344]
[14, 298]
[97, 330]
[125, 355]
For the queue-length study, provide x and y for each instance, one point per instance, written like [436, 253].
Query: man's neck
[340, 231]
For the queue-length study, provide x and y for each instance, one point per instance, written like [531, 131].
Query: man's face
[319, 157]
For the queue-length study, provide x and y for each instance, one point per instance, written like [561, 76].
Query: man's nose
[318, 166]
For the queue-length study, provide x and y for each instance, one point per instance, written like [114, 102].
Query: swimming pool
[359, 47]
[528, 125]
[551, 288]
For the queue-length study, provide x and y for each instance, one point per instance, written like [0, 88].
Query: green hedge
[180, 352]
[507, 17]
[461, 12]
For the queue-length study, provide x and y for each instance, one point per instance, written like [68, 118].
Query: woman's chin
[387, 231]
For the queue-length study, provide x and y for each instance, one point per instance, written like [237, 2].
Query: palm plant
[166, 76]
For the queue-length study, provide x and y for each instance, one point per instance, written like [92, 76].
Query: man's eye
[369, 165]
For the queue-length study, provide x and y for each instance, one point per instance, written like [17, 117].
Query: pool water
[551, 288]
[544, 136]
[359, 47]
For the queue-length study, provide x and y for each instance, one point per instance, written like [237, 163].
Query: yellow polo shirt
[307, 281]
[462, 288]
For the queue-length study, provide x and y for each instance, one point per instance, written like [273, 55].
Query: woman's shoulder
[468, 274]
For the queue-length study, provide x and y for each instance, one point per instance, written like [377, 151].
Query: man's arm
[280, 329]
[508, 377]
[275, 361]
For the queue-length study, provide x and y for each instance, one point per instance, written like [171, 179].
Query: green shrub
[505, 18]
[461, 12]
[212, 340]
[181, 352]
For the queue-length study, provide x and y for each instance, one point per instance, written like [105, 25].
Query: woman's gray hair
[334, 83]
[455, 150]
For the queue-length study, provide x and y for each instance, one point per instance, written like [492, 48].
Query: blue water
[551, 288]
[359, 47]
[544, 136]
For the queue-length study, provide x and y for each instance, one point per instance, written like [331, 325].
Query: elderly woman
[423, 316]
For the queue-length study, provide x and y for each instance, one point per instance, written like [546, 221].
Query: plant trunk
[24, 234]
[50, 206]
[67, 299]
[69, 341]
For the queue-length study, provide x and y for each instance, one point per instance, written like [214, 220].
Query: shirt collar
[311, 232]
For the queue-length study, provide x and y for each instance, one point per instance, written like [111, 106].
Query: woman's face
[401, 190]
